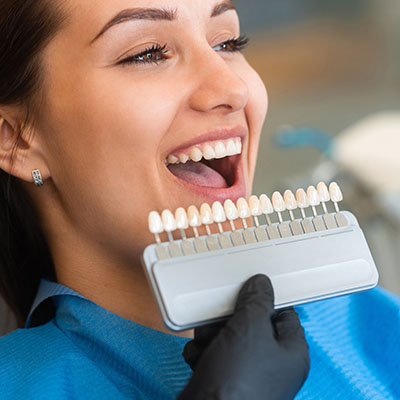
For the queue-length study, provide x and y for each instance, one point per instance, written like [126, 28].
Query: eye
[151, 55]
[233, 45]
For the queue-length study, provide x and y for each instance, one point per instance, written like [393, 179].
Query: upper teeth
[208, 151]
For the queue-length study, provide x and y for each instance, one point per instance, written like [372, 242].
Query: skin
[105, 130]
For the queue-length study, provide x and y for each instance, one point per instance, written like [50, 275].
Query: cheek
[107, 141]
[256, 110]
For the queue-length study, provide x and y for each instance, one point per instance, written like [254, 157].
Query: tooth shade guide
[340, 220]
[295, 227]
[174, 250]
[249, 236]
[330, 221]
[318, 223]
[187, 248]
[237, 238]
[200, 245]
[284, 230]
[212, 243]
[157, 236]
[261, 234]
[162, 252]
[278, 225]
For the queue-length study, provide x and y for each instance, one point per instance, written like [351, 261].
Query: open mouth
[211, 164]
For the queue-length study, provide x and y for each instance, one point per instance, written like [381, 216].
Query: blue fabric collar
[48, 289]
[141, 362]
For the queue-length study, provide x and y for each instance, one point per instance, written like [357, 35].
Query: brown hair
[26, 26]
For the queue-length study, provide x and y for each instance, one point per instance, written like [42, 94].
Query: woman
[112, 90]
[105, 92]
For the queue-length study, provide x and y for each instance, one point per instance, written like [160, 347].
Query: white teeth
[238, 146]
[243, 208]
[206, 214]
[230, 210]
[218, 212]
[181, 218]
[168, 221]
[323, 192]
[335, 192]
[266, 205]
[196, 154]
[290, 200]
[278, 202]
[220, 150]
[155, 223]
[313, 197]
[172, 159]
[255, 206]
[301, 197]
[183, 158]
[208, 152]
[231, 148]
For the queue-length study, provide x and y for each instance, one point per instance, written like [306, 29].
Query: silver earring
[37, 178]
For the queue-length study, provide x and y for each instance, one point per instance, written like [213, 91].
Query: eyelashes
[157, 53]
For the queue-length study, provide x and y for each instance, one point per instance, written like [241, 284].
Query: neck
[125, 293]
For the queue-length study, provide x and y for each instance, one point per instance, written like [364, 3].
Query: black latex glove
[259, 353]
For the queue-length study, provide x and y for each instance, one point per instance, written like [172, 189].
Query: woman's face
[159, 84]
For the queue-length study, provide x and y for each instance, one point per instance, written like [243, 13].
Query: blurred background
[332, 71]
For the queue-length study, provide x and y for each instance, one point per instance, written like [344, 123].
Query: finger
[204, 334]
[202, 338]
[191, 353]
[257, 292]
[287, 325]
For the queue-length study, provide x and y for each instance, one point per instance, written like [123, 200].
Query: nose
[217, 86]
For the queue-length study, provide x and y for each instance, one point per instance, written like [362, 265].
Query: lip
[209, 194]
[216, 134]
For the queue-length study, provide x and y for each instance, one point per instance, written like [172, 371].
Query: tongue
[197, 173]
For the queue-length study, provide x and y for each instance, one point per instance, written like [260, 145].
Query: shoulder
[34, 362]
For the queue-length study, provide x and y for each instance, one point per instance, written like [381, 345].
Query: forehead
[89, 17]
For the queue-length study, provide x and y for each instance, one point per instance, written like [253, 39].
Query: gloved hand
[257, 354]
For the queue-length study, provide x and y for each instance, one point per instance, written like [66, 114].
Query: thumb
[256, 293]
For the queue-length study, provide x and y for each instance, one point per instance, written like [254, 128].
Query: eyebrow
[155, 14]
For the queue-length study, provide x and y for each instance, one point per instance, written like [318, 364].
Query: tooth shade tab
[266, 205]
[278, 202]
[206, 215]
[335, 192]
[313, 196]
[218, 212]
[243, 208]
[155, 223]
[181, 218]
[250, 209]
[255, 206]
[168, 221]
[323, 192]
[194, 217]
[302, 200]
[290, 200]
[231, 211]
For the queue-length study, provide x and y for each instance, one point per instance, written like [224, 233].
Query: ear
[20, 148]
